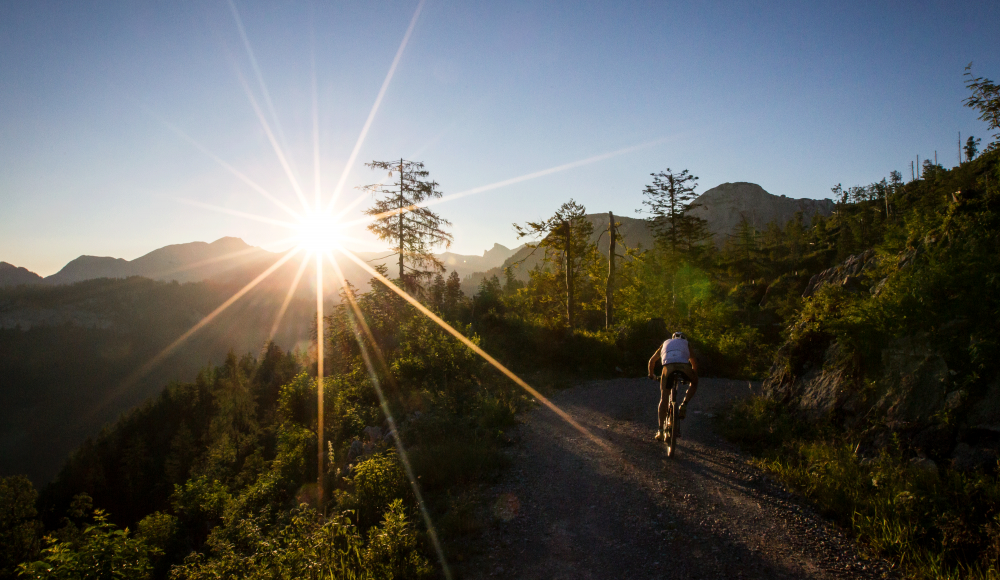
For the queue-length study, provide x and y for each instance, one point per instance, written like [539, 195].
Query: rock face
[726, 205]
[11, 275]
[847, 274]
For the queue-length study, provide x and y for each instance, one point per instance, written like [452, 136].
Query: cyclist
[675, 355]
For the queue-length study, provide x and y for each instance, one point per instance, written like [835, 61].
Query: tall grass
[932, 524]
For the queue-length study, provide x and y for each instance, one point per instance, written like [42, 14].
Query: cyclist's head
[679, 335]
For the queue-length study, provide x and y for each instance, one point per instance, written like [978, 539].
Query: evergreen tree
[986, 99]
[565, 238]
[668, 199]
[453, 292]
[971, 148]
[400, 218]
[438, 291]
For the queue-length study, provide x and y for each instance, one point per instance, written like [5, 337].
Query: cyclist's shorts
[682, 367]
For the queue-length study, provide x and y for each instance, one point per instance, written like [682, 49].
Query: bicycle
[673, 433]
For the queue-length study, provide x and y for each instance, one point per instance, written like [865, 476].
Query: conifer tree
[438, 290]
[565, 238]
[400, 218]
[971, 148]
[667, 200]
[453, 291]
[986, 99]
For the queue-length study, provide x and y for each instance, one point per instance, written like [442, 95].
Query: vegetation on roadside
[882, 408]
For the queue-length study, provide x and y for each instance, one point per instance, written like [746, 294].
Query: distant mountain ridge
[11, 275]
[190, 262]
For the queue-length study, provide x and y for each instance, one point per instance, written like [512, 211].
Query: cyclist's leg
[661, 410]
[692, 384]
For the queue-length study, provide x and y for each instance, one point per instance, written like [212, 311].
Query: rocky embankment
[908, 390]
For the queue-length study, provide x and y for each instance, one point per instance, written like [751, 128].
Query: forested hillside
[73, 357]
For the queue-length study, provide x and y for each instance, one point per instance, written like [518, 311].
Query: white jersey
[675, 351]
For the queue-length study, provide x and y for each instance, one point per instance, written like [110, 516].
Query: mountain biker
[675, 355]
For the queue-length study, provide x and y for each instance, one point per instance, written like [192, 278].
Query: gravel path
[570, 508]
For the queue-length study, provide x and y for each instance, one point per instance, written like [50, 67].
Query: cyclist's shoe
[681, 410]
[659, 435]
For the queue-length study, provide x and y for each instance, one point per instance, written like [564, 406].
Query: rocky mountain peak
[726, 205]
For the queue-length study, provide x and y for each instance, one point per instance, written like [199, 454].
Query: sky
[122, 124]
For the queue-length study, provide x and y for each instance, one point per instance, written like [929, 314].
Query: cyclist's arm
[652, 361]
[694, 364]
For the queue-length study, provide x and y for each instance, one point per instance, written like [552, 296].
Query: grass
[931, 525]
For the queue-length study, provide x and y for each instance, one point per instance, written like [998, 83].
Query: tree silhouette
[971, 147]
[668, 199]
[399, 216]
[567, 234]
[985, 98]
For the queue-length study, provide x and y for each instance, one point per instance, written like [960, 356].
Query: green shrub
[376, 482]
[943, 525]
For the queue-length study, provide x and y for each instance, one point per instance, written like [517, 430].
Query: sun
[318, 232]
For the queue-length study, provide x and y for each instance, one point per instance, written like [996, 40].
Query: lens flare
[318, 232]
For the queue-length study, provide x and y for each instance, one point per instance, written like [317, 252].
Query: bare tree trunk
[609, 293]
[400, 207]
[569, 273]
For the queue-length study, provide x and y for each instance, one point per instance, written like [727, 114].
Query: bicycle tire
[671, 436]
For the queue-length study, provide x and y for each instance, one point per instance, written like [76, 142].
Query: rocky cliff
[726, 205]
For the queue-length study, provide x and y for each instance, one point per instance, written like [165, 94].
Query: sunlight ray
[475, 348]
[320, 431]
[258, 73]
[288, 299]
[274, 142]
[229, 167]
[237, 213]
[216, 259]
[315, 120]
[498, 184]
[359, 320]
[163, 354]
[374, 110]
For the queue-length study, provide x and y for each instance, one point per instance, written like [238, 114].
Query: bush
[943, 525]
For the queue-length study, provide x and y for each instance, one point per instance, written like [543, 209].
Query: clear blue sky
[794, 96]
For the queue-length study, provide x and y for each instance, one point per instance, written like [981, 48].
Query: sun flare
[318, 232]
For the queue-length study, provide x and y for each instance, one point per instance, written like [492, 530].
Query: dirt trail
[569, 508]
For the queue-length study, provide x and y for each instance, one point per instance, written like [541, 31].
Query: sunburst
[316, 231]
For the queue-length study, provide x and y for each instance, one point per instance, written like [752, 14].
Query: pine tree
[668, 199]
[438, 290]
[971, 148]
[453, 292]
[400, 218]
[565, 238]
[986, 99]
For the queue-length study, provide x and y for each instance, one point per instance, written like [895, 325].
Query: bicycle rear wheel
[671, 434]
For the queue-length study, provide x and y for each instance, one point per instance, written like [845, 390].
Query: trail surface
[571, 508]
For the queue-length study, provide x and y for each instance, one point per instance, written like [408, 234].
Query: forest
[219, 477]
